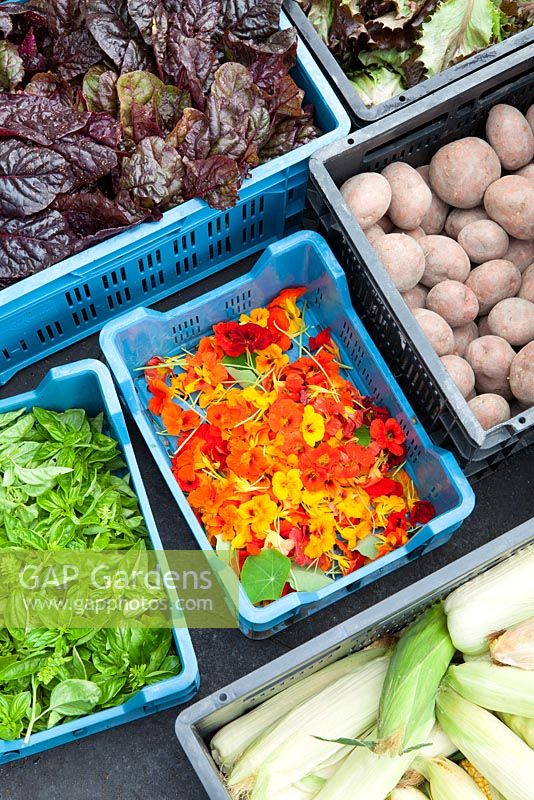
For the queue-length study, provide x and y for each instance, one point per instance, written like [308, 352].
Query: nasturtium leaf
[135, 87]
[30, 178]
[368, 547]
[304, 579]
[363, 436]
[73, 697]
[11, 66]
[100, 89]
[264, 576]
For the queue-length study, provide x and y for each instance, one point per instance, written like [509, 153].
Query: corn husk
[497, 753]
[515, 647]
[506, 689]
[290, 750]
[230, 742]
[522, 726]
[365, 775]
[491, 602]
[420, 660]
[408, 793]
[447, 780]
[439, 745]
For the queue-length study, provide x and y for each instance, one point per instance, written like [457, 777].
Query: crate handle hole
[350, 141]
[522, 420]
[223, 697]
[402, 98]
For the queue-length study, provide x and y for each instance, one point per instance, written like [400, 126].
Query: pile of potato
[457, 238]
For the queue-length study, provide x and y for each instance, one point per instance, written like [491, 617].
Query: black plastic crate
[197, 724]
[414, 135]
[359, 113]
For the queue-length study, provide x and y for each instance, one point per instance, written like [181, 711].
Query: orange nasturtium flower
[176, 419]
[259, 513]
[312, 426]
[162, 395]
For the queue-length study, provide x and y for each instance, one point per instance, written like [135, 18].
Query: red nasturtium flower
[235, 339]
[162, 396]
[389, 435]
[384, 486]
[322, 339]
[422, 512]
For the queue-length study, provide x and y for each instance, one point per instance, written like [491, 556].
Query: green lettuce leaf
[457, 29]
[376, 85]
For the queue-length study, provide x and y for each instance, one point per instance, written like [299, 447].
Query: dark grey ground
[143, 759]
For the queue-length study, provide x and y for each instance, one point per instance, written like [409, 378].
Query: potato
[385, 223]
[444, 260]
[410, 196]
[510, 135]
[415, 233]
[460, 172]
[530, 116]
[522, 376]
[461, 373]
[435, 217]
[526, 292]
[416, 297]
[454, 301]
[463, 336]
[483, 327]
[374, 232]
[526, 172]
[513, 319]
[483, 240]
[368, 196]
[510, 202]
[489, 409]
[403, 259]
[438, 332]
[493, 281]
[490, 358]
[460, 217]
[521, 253]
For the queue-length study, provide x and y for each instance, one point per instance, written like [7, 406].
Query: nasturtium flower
[260, 512]
[312, 426]
[292, 458]
[287, 485]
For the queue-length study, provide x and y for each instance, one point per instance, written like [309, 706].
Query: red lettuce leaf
[32, 244]
[216, 179]
[100, 89]
[11, 66]
[37, 119]
[74, 53]
[251, 19]
[144, 122]
[29, 52]
[169, 104]
[267, 61]
[30, 178]
[56, 89]
[88, 160]
[62, 16]
[103, 128]
[197, 19]
[108, 22]
[154, 175]
[191, 135]
[142, 13]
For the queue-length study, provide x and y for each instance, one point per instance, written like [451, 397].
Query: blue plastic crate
[87, 384]
[74, 298]
[303, 259]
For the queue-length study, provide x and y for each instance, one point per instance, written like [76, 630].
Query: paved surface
[143, 759]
